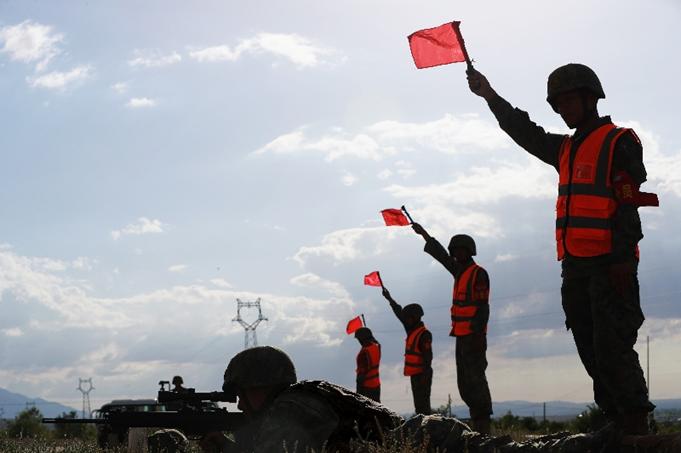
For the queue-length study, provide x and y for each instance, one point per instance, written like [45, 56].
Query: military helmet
[572, 77]
[413, 310]
[463, 240]
[261, 366]
[177, 380]
[363, 333]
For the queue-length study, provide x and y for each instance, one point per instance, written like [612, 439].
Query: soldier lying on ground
[286, 415]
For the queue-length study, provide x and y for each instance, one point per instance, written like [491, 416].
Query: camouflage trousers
[420, 389]
[373, 393]
[471, 364]
[605, 325]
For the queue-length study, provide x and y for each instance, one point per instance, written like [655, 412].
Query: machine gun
[193, 413]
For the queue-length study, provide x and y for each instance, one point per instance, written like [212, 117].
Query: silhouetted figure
[177, 385]
[598, 228]
[418, 352]
[469, 315]
[368, 362]
[283, 414]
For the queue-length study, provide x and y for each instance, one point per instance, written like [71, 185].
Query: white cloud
[83, 263]
[143, 226]
[504, 257]
[221, 283]
[384, 174]
[177, 268]
[479, 185]
[405, 169]
[13, 332]
[297, 49]
[349, 245]
[464, 134]
[310, 280]
[138, 103]
[154, 59]
[57, 80]
[30, 42]
[120, 87]
[333, 146]
[664, 169]
[348, 179]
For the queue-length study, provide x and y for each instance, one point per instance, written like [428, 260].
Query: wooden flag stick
[363, 320]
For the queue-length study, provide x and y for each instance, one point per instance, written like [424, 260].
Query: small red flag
[438, 46]
[394, 217]
[353, 325]
[373, 279]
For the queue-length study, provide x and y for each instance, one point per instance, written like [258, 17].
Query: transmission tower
[250, 339]
[85, 387]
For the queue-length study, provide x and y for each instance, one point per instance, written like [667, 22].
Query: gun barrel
[73, 421]
[165, 396]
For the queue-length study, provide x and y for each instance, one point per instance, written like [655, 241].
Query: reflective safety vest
[371, 378]
[464, 305]
[413, 356]
[586, 199]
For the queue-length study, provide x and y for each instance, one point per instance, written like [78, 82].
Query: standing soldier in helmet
[469, 315]
[418, 353]
[368, 362]
[285, 415]
[598, 228]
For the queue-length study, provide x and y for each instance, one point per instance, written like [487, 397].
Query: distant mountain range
[555, 410]
[13, 403]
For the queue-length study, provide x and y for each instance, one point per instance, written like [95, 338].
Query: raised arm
[517, 123]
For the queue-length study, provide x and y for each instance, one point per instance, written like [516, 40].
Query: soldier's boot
[481, 425]
[635, 423]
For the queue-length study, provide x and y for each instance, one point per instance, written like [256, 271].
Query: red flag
[373, 279]
[394, 217]
[353, 325]
[438, 46]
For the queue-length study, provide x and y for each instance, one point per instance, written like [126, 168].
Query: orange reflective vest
[464, 303]
[371, 379]
[586, 200]
[413, 356]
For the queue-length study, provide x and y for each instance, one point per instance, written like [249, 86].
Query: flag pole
[380, 279]
[364, 323]
[455, 26]
[407, 214]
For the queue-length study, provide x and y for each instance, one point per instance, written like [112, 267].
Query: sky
[161, 159]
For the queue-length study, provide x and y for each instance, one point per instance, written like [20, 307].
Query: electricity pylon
[85, 386]
[250, 339]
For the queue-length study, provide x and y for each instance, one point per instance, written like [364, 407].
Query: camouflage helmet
[363, 333]
[261, 366]
[463, 240]
[570, 77]
[413, 310]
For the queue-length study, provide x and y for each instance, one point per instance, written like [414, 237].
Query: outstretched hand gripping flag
[373, 279]
[354, 324]
[438, 46]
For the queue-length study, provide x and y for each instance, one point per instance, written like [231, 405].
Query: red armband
[626, 192]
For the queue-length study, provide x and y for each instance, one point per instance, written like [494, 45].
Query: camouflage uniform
[296, 416]
[604, 323]
[310, 415]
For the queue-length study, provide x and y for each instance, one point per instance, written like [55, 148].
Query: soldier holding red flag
[469, 313]
[598, 228]
[418, 352]
[368, 362]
